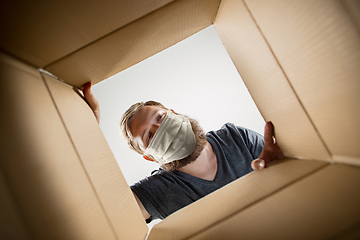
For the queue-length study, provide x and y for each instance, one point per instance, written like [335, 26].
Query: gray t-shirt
[165, 192]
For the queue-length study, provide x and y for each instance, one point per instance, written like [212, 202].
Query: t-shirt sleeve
[144, 191]
[161, 193]
[254, 141]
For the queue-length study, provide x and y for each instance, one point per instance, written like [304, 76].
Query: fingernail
[261, 164]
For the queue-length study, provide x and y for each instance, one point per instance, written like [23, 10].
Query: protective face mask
[173, 140]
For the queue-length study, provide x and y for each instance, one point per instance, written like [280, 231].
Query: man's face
[145, 123]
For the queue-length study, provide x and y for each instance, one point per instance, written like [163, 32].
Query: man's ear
[149, 159]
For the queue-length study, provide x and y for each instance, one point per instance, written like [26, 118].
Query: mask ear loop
[149, 159]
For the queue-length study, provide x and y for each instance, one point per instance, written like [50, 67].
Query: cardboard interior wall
[42, 32]
[266, 74]
[61, 179]
[93, 48]
[53, 183]
[299, 60]
[296, 58]
[292, 199]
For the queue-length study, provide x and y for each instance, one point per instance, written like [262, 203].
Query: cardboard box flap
[353, 7]
[324, 205]
[267, 82]
[136, 41]
[232, 198]
[41, 32]
[12, 222]
[317, 45]
[98, 161]
[48, 183]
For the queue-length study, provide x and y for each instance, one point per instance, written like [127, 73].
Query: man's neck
[205, 166]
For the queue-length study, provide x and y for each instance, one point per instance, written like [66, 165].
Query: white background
[196, 77]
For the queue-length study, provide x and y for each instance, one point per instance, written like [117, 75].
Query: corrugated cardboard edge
[40, 34]
[135, 42]
[321, 206]
[39, 162]
[228, 201]
[318, 47]
[103, 172]
[267, 83]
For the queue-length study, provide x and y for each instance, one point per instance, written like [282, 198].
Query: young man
[193, 164]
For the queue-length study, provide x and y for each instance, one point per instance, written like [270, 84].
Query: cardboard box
[299, 59]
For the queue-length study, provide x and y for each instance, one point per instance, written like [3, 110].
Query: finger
[87, 88]
[91, 100]
[89, 96]
[269, 133]
[258, 164]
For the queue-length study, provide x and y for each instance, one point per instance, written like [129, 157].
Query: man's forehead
[135, 120]
[141, 117]
[143, 112]
[148, 110]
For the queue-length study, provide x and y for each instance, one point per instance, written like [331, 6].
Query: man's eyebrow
[143, 134]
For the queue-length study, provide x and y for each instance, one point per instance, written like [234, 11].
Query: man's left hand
[271, 150]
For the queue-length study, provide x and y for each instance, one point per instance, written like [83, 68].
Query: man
[193, 164]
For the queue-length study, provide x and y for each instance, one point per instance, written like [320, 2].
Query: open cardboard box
[299, 59]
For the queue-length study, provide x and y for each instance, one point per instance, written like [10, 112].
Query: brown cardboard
[40, 165]
[98, 161]
[353, 8]
[41, 32]
[320, 206]
[233, 198]
[12, 224]
[267, 83]
[299, 59]
[135, 42]
[318, 47]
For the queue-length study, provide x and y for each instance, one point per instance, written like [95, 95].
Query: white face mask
[173, 140]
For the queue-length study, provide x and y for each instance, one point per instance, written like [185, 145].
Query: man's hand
[91, 100]
[271, 150]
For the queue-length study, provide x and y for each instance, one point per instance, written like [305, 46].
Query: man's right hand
[91, 100]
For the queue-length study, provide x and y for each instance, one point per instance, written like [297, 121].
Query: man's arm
[95, 107]
[271, 150]
[145, 214]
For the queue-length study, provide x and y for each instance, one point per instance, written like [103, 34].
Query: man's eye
[150, 134]
[160, 117]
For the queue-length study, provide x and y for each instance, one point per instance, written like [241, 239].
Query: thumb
[258, 164]
[269, 133]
